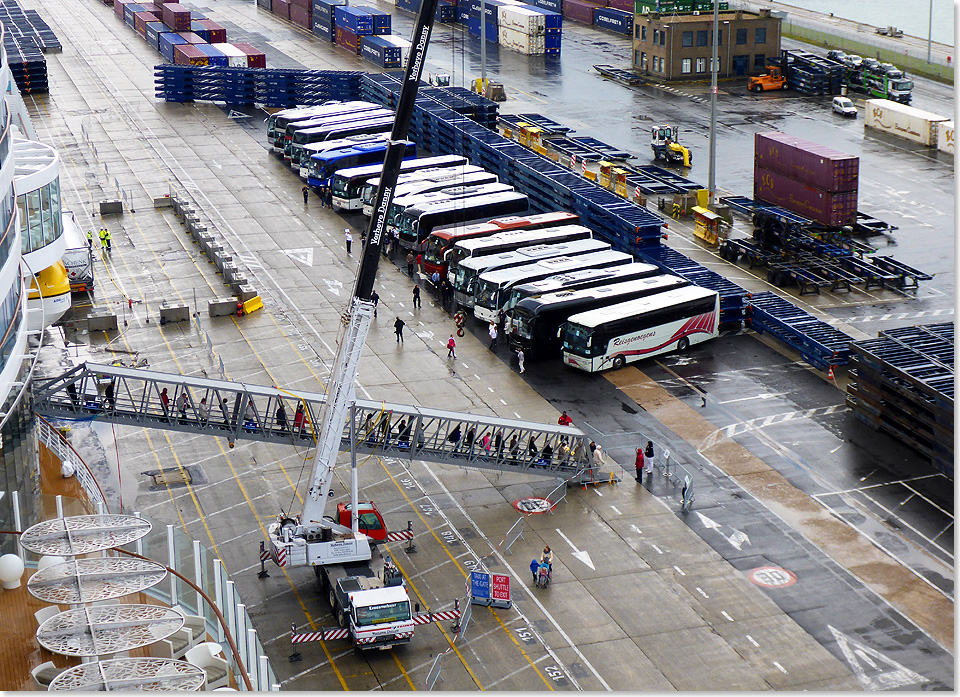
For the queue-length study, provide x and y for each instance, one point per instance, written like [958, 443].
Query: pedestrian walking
[398, 329]
[514, 447]
[498, 443]
[493, 336]
[165, 401]
[395, 243]
[435, 280]
[282, 418]
[329, 197]
[534, 568]
[420, 263]
[103, 239]
[451, 348]
[298, 419]
[349, 239]
[563, 450]
[108, 394]
[306, 194]
[648, 454]
[183, 403]
[638, 463]
[204, 410]
[454, 437]
[375, 297]
[410, 260]
[501, 321]
[72, 390]
[598, 457]
[90, 238]
[564, 419]
[109, 237]
[416, 296]
[485, 443]
[520, 357]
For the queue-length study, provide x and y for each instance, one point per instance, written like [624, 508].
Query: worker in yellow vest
[107, 238]
[90, 238]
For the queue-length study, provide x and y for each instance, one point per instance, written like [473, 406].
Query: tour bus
[295, 127]
[469, 270]
[277, 123]
[464, 189]
[493, 287]
[609, 337]
[441, 241]
[417, 222]
[417, 191]
[584, 278]
[339, 144]
[508, 241]
[434, 173]
[348, 184]
[325, 164]
[294, 148]
[538, 320]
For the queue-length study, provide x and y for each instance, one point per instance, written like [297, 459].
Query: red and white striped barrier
[441, 616]
[322, 635]
[583, 167]
[400, 536]
[637, 193]
[573, 162]
[279, 556]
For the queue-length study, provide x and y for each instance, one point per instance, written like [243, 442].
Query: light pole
[483, 47]
[930, 31]
[712, 182]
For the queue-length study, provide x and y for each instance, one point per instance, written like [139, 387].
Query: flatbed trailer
[626, 77]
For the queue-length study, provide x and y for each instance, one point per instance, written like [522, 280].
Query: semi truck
[78, 255]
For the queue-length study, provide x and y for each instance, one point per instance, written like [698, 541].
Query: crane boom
[357, 319]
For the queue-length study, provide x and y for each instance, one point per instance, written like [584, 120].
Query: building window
[636, 59]
[643, 61]
[685, 66]
[760, 61]
[656, 36]
[741, 36]
[720, 37]
[687, 38]
[701, 65]
[663, 36]
[702, 37]
[643, 33]
[760, 35]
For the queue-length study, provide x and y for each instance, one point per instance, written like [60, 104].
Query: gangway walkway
[238, 411]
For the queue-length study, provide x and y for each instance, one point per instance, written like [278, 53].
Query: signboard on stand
[492, 590]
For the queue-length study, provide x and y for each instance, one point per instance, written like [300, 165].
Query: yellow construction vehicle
[490, 90]
[663, 141]
[772, 80]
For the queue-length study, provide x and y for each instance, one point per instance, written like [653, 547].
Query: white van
[844, 107]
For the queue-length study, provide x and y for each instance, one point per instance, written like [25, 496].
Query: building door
[740, 65]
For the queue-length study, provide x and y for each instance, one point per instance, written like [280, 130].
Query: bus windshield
[522, 322]
[380, 614]
[578, 339]
[487, 292]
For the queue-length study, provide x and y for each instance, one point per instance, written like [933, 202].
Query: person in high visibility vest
[89, 238]
[103, 238]
[107, 237]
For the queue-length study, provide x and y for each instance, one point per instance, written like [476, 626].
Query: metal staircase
[237, 411]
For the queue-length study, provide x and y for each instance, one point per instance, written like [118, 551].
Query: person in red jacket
[639, 464]
[564, 419]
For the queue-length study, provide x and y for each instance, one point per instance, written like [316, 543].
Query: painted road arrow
[737, 538]
[582, 556]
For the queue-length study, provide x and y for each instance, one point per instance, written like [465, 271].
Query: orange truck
[772, 80]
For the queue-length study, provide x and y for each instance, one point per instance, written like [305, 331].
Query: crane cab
[369, 519]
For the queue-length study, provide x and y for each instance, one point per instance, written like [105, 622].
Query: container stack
[808, 73]
[520, 27]
[904, 386]
[905, 122]
[350, 23]
[323, 18]
[387, 52]
[811, 180]
[619, 21]
[301, 13]
[26, 38]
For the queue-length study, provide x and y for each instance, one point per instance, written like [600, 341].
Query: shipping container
[215, 33]
[140, 21]
[414, 6]
[526, 20]
[829, 208]
[151, 7]
[613, 19]
[323, 28]
[521, 42]
[281, 8]
[380, 52]
[817, 165]
[625, 5]
[552, 21]
[356, 21]
[303, 4]
[324, 8]
[235, 57]
[551, 44]
[192, 38]
[945, 137]
[301, 17]
[552, 5]
[176, 17]
[119, 6]
[130, 12]
[265, 5]
[188, 54]
[153, 32]
[579, 10]
[255, 57]
[904, 121]
[214, 55]
[446, 12]
[381, 19]
[347, 39]
[166, 43]
[491, 28]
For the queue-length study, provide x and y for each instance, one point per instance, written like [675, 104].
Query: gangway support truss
[238, 411]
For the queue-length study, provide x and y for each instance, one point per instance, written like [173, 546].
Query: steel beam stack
[270, 87]
[26, 38]
[904, 382]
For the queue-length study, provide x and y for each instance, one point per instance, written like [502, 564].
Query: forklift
[665, 145]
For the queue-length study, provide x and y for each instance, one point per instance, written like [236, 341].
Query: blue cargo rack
[667, 177]
[819, 344]
[609, 151]
[546, 123]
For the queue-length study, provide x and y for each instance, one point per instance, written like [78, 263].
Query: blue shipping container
[166, 43]
[463, 12]
[492, 29]
[613, 19]
[352, 19]
[154, 30]
[214, 54]
[380, 52]
[129, 11]
[552, 20]
[493, 13]
[552, 5]
[324, 8]
[381, 19]
[323, 27]
[552, 41]
[409, 5]
[445, 12]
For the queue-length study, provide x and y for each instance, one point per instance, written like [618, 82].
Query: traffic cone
[830, 374]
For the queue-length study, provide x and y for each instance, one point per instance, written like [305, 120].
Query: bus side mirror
[416, 608]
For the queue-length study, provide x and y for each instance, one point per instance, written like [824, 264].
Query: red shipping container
[302, 4]
[255, 57]
[188, 54]
[118, 7]
[281, 8]
[625, 5]
[348, 40]
[155, 9]
[821, 167]
[579, 11]
[140, 22]
[301, 17]
[176, 17]
[218, 35]
[191, 38]
[829, 208]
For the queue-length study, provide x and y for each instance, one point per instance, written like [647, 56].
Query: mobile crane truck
[366, 591]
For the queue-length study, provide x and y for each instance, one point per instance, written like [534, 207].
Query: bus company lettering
[624, 340]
